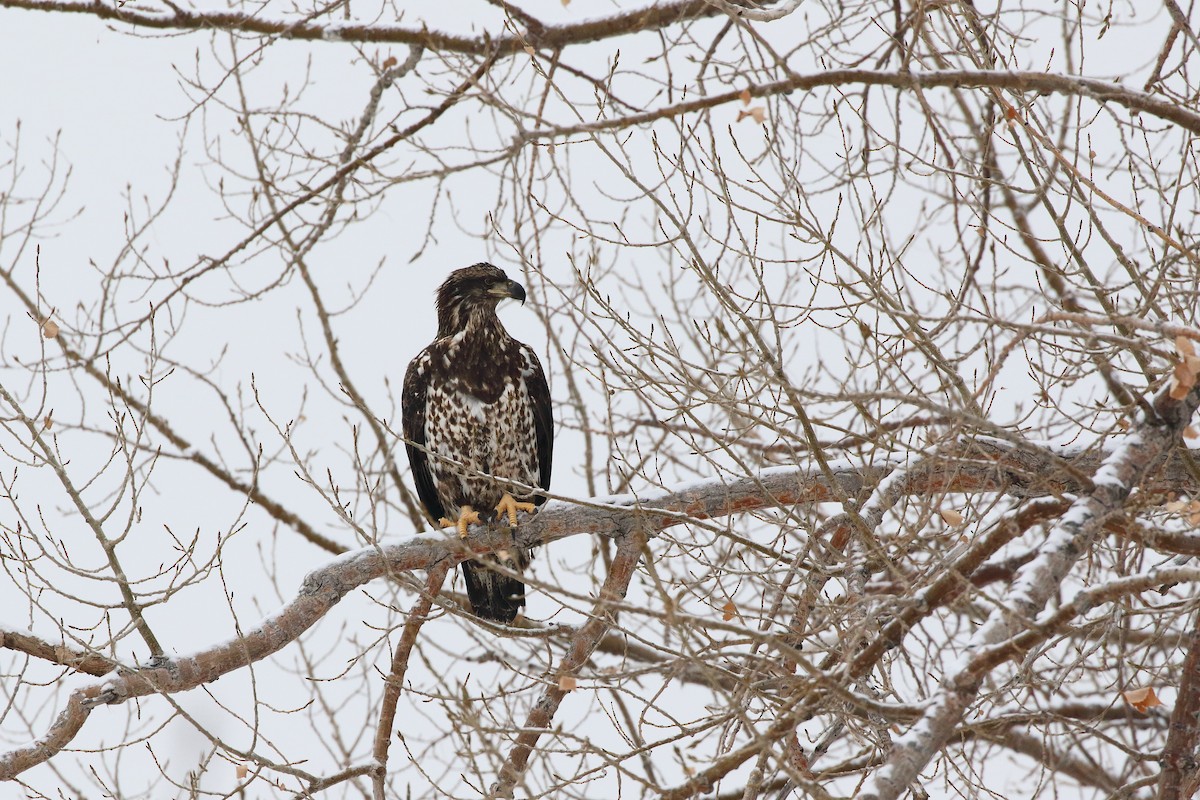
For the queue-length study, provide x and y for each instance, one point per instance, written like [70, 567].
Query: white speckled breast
[487, 437]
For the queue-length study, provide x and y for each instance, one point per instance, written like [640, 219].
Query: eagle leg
[509, 506]
[466, 516]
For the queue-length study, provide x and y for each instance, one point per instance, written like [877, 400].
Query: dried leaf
[49, 329]
[744, 96]
[1185, 374]
[242, 772]
[951, 516]
[1123, 424]
[389, 62]
[1176, 505]
[48, 421]
[1190, 432]
[728, 611]
[1184, 346]
[529, 49]
[567, 682]
[1142, 699]
[1183, 377]
[1182, 380]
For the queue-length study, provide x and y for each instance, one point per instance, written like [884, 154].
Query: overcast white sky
[115, 104]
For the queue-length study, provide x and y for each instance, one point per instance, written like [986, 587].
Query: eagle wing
[412, 412]
[543, 418]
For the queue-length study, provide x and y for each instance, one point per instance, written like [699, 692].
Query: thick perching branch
[994, 468]
[326, 586]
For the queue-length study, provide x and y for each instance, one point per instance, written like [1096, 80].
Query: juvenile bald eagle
[478, 398]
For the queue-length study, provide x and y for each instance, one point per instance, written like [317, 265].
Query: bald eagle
[478, 401]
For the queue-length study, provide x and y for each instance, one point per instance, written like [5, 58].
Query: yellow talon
[510, 506]
[466, 516]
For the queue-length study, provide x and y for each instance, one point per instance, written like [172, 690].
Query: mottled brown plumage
[478, 398]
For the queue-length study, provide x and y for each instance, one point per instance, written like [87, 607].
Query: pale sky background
[115, 104]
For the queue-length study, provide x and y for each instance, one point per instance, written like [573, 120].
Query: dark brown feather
[479, 399]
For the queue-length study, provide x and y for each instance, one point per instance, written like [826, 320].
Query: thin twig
[394, 683]
[583, 643]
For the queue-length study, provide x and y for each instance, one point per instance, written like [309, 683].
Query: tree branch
[1179, 755]
[622, 516]
[78, 660]
[654, 17]
[1142, 451]
[1039, 82]
[395, 679]
[583, 644]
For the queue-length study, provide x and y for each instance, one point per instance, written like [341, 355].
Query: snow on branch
[653, 17]
[1141, 453]
[325, 586]
[980, 465]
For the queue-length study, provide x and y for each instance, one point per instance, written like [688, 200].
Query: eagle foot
[466, 516]
[510, 506]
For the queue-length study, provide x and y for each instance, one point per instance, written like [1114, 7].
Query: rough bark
[1144, 451]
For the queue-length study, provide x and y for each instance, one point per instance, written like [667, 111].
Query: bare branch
[583, 644]
[1140, 455]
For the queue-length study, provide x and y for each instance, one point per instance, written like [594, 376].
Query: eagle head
[470, 291]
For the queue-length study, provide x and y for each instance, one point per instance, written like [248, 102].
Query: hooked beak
[509, 289]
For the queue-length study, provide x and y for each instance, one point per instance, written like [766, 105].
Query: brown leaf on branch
[1183, 376]
[1142, 699]
[951, 516]
[1188, 508]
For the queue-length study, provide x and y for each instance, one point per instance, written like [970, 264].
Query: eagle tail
[494, 596]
